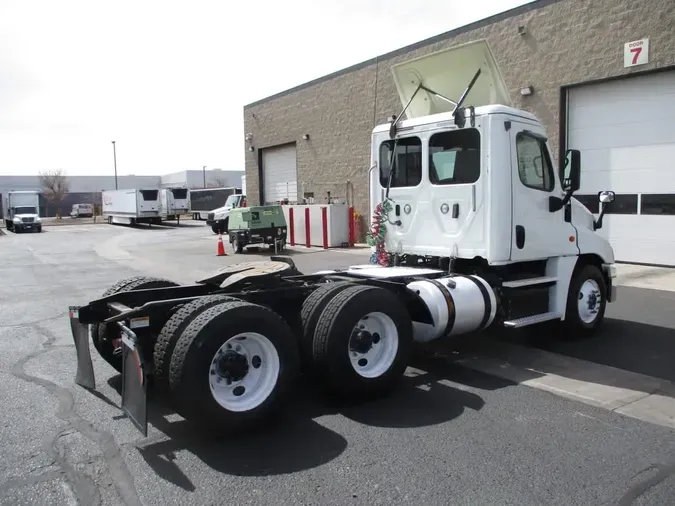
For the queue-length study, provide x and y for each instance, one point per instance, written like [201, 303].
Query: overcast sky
[167, 80]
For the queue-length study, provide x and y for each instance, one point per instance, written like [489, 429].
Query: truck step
[531, 320]
[519, 283]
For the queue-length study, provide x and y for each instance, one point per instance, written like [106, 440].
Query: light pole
[115, 162]
[204, 174]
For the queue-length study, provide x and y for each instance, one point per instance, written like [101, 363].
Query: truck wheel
[215, 229]
[311, 310]
[233, 366]
[362, 342]
[172, 330]
[586, 303]
[105, 338]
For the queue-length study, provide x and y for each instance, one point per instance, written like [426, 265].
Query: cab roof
[447, 117]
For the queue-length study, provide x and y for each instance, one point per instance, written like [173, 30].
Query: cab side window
[407, 162]
[454, 157]
[534, 163]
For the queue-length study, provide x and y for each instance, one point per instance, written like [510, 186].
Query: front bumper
[609, 270]
[27, 227]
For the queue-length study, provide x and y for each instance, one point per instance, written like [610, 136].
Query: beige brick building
[572, 52]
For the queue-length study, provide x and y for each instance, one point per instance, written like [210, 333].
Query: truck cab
[471, 186]
[218, 219]
[21, 211]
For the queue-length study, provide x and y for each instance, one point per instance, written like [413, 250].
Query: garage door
[280, 174]
[625, 132]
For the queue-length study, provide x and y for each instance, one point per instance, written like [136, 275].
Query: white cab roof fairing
[448, 73]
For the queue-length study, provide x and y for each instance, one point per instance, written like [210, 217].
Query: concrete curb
[632, 394]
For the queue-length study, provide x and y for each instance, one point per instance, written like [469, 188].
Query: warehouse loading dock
[554, 56]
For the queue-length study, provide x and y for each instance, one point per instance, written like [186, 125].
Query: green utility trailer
[257, 225]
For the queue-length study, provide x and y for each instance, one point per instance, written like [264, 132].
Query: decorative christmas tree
[377, 233]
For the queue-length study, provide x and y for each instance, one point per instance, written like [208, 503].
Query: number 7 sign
[636, 53]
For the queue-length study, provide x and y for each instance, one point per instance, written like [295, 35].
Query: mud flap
[134, 381]
[85, 369]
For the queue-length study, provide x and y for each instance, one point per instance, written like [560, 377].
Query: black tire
[102, 336]
[172, 330]
[237, 246]
[311, 311]
[332, 342]
[573, 326]
[189, 379]
[215, 229]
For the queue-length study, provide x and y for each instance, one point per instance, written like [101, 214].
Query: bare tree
[55, 187]
[217, 182]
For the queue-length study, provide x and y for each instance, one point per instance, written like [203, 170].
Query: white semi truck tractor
[474, 227]
[21, 211]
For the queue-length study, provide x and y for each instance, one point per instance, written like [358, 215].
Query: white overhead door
[280, 174]
[625, 130]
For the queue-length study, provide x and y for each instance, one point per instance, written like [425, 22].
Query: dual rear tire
[233, 363]
[230, 365]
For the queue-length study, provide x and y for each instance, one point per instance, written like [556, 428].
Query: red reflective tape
[291, 226]
[352, 231]
[308, 242]
[324, 226]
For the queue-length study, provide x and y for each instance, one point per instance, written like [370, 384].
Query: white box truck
[21, 211]
[474, 226]
[173, 202]
[129, 207]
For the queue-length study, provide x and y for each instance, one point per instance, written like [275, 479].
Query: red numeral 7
[636, 51]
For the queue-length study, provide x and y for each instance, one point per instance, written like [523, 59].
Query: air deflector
[447, 73]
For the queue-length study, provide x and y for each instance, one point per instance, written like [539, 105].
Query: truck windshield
[25, 210]
[232, 201]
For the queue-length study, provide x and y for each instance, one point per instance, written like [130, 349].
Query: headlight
[17, 220]
[38, 219]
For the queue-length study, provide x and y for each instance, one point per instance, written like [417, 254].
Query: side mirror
[606, 197]
[572, 180]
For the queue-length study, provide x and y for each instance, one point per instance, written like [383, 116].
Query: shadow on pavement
[628, 345]
[296, 441]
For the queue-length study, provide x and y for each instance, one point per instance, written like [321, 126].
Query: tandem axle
[226, 350]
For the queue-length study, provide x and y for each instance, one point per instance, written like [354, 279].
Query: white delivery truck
[204, 200]
[173, 202]
[129, 207]
[473, 227]
[21, 211]
[82, 211]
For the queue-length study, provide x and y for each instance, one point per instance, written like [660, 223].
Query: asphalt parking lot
[503, 419]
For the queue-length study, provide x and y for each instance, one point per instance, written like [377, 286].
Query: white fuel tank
[458, 304]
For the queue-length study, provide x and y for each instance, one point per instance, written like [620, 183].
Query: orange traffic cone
[221, 247]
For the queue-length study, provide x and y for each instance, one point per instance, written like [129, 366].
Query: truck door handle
[455, 210]
[398, 210]
[520, 236]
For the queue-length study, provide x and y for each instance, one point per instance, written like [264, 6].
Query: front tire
[362, 342]
[233, 366]
[586, 303]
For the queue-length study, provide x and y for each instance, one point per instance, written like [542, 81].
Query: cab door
[537, 233]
